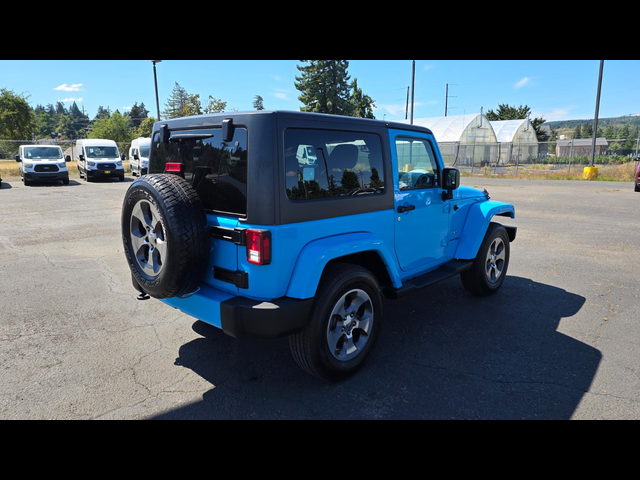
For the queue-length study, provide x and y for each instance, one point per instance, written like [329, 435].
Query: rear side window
[217, 170]
[327, 164]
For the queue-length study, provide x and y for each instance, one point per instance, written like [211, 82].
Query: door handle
[408, 208]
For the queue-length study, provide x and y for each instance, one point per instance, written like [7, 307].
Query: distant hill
[616, 122]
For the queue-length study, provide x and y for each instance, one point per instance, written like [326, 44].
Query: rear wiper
[177, 137]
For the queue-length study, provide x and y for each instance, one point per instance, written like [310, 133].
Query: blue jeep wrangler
[277, 224]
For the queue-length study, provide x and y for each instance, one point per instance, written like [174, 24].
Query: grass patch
[606, 173]
[11, 168]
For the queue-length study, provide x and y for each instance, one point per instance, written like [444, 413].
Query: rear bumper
[242, 317]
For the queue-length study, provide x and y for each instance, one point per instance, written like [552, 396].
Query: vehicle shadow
[443, 354]
[56, 183]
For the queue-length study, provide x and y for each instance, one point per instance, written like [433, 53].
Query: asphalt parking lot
[560, 341]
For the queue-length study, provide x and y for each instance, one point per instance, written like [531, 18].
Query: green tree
[117, 128]
[577, 132]
[349, 182]
[587, 130]
[17, 120]
[138, 114]
[324, 86]
[258, 102]
[45, 125]
[102, 113]
[362, 104]
[145, 129]
[215, 105]
[182, 104]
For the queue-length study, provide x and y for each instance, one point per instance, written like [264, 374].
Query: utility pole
[406, 113]
[595, 122]
[413, 90]
[155, 77]
[446, 101]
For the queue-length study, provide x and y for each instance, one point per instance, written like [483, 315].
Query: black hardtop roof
[217, 118]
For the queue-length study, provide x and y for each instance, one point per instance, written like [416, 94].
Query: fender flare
[315, 256]
[477, 224]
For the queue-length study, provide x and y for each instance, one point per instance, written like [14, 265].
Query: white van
[42, 163]
[99, 159]
[139, 156]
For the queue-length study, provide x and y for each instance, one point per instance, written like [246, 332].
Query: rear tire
[343, 326]
[489, 269]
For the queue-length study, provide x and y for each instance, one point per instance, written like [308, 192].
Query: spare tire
[165, 236]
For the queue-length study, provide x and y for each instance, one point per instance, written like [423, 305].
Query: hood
[469, 192]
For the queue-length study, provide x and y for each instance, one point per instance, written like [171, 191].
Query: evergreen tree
[258, 102]
[324, 86]
[215, 105]
[138, 113]
[102, 113]
[587, 130]
[362, 104]
[577, 132]
[182, 104]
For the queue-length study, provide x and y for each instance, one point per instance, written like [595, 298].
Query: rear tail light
[258, 247]
[173, 168]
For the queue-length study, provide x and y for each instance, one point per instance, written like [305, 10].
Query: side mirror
[123, 157]
[67, 158]
[450, 182]
[136, 157]
[17, 158]
[81, 157]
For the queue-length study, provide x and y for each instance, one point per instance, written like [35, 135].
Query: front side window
[417, 164]
[217, 170]
[327, 164]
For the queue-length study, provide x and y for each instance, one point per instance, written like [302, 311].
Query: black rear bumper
[242, 317]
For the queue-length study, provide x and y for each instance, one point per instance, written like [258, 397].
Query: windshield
[144, 152]
[101, 152]
[43, 153]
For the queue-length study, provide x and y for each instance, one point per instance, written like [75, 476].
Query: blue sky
[554, 89]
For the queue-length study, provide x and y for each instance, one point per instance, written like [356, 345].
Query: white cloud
[522, 83]
[126, 108]
[556, 114]
[76, 87]
[281, 93]
[71, 99]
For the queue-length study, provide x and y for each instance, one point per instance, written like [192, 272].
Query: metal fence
[494, 158]
[504, 158]
[9, 148]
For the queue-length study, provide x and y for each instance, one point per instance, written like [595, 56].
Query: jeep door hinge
[233, 235]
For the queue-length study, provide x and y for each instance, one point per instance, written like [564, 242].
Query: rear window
[217, 170]
[328, 164]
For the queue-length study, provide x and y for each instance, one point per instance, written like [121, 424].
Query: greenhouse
[464, 140]
[518, 141]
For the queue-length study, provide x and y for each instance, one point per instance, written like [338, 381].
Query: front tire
[343, 326]
[489, 269]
